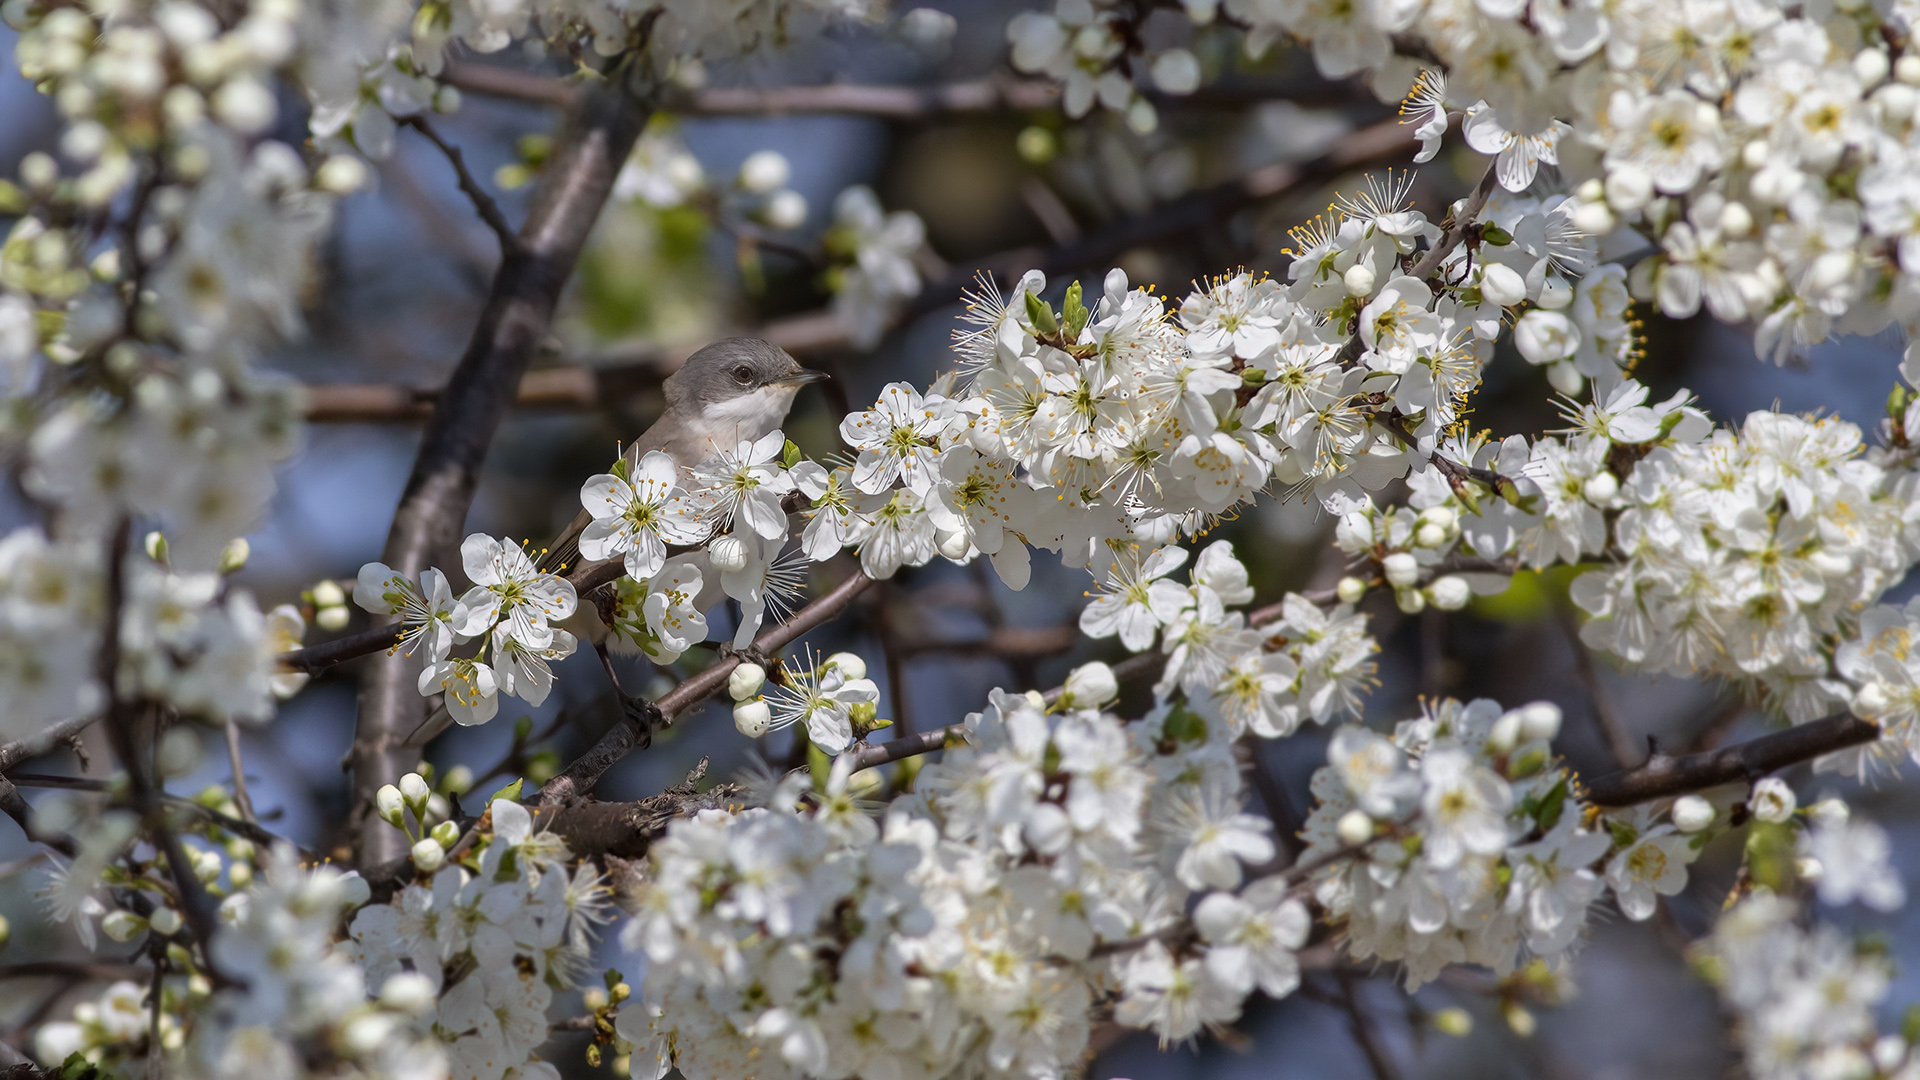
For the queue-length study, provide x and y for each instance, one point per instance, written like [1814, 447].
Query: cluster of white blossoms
[509, 609]
[1765, 151]
[1047, 862]
[1091, 50]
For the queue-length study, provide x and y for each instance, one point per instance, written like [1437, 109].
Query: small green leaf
[819, 765]
[1897, 401]
[1910, 1024]
[511, 793]
[1075, 312]
[522, 728]
[1495, 235]
[620, 468]
[614, 978]
[1551, 806]
[1041, 316]
[790, 455]
[1254, 376]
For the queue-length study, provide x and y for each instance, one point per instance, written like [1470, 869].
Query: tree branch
[627, 829]
[579, 777]
[1663, 775]
[433, 509]
[482, 201]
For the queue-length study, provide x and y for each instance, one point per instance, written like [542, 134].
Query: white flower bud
[428, 855]
[1594, 217]
[1830, 812]
[752, 718]
[327, 593]
[1555, 294]
[166, 922]
[764, 171]
[1442, 516]
[1870, 701]
[123, 925]
[446, 834]
[1522, 1022]
[233, 557]
[1454, 1021]
[1590, 190]
[1355, 828]
[1628, 188]
[408, 992]
[1091, 685]
[1036, 699]
[1400, 569]
[746, 681]
[1889, 1052]
[1735, 219]
[1907, 69]
[1176, 71]
[1539, 721]
[1772, 800]
[786, 210]
[1430, 535]
[1449, 593]
[1350, 589]
[1358, 279]
[1566, 378]
[1808, 868]
[1600, 488]
[728, 553]
[1691, 813]
[1502, 284]
[1896, 101]
[1871, 66]
[331, 618]
[1505, 733]
[850, 665]
[1411, 601]
[39, 170]
[365, 1033]
[437, 808]
[953, 545]
[179, 752]
[341, 174]
[390, 803]
[414, 788]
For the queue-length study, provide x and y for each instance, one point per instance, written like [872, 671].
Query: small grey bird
[734, 390]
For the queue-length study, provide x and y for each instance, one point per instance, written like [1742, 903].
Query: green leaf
[1495, 235]
[522, 728]
[1041, 316]
[621, 470]
[1550, 807]
[614, 978]
[1075, 312]
[12, 199]
[1254, 376]
[790, 455]
[1910, 1024]
[1898, 400]
[511, 793]
[819, 765]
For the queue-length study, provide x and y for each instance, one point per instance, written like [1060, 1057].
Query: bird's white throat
[748, 416]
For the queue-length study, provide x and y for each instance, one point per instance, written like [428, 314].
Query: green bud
[790, 455]
[446, 834]
[1075, 311]
[1254, 376]
[511, 793]
[1041, 316]
[1495, 235]
[156, 546]
[1898, 400]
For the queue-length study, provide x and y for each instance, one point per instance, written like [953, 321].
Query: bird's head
[734, 369]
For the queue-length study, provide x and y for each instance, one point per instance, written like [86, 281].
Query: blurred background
[1002, 181]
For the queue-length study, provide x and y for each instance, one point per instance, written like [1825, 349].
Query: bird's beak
[801, 377]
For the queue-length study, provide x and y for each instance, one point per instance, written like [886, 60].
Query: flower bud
[1906, 69]
[1519, 1019]
[1358, 279]
[1400, 568]
[123, 925]
[459, 780]
[1808, 868]
[156, 546]
[331, 618]
[752, 718]
[1830, 812]
[1628, 188]
[1176, 71]
[728, 553]
[1449, 593]
[1593, 217]
[1502, 284]
[365, 1033]
[413, 787]
[1871, 66]
[233, 557]
[786, 210]
[165, 922]
[746, 681]
[428, 855]
[1772, 800]
[1355, 828]
[1600, 488]
[1443, 516]
[446, 834]
[866, 784]
[1870, 701]
[408, 992]
[390, 803]
[1539, 721]
[1350, 589]
[1429, 535]
[1453, 1021]
[1736, 220]
[1090, 686]
[764, 171]
[341, 174]
[953, 545]
[327, 593]
[1410, 600]
[1691, 813]
[850, 665]
[1505, 733]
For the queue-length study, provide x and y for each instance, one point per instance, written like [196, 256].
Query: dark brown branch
[433, 509]
[1363, 1033]
[90, 970]
[624, 737]
[15, 806]
[482, 201]
[1458, 227]
[315, 658]
[1663, 775]
[627, 829]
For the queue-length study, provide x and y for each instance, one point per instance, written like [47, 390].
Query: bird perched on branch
[732, 391]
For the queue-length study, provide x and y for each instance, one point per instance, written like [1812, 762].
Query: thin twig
[1663, 775]
[1599, 702]
[240, 797]
[249, 829]
[1363, 1031]
[489, 210]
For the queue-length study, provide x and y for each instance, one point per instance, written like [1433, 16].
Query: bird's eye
[743, 374]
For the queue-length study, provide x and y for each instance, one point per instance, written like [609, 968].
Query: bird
[734, 390]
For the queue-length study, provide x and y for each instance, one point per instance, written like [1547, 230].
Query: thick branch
[1663, 775]
[433, 509]
[627, 829]
[624, 737]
